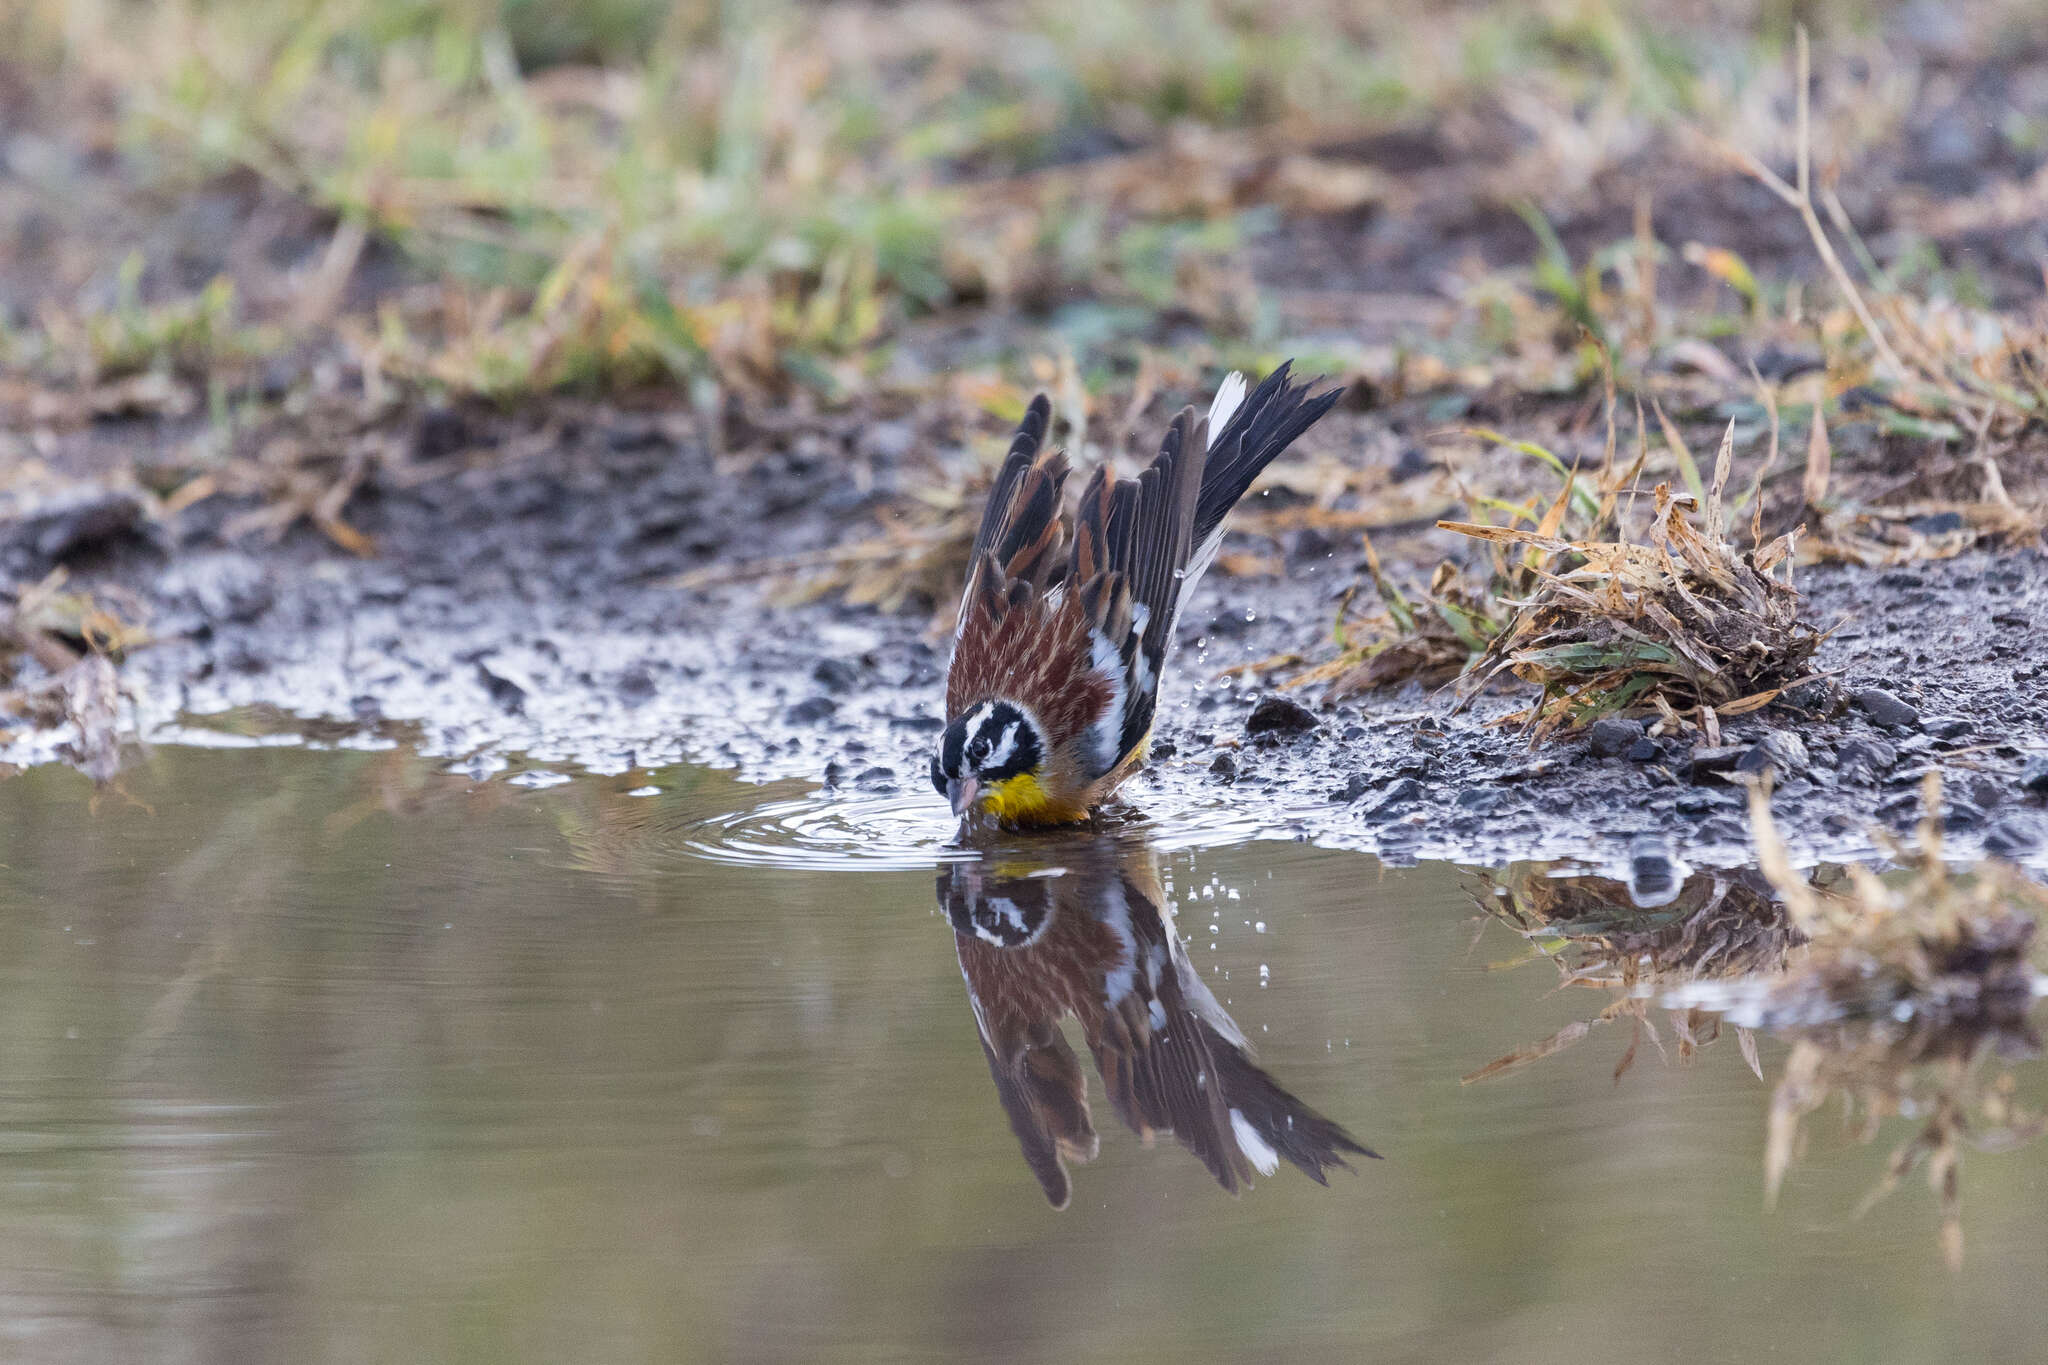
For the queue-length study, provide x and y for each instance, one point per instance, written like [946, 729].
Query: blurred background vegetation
[506, 199]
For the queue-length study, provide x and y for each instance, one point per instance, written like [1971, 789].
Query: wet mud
[522, 614]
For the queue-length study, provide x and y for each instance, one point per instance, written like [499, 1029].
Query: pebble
[1703, 800]
[811, 711]
[1866, 758]
[836, 675]
[1280, 716]
[2011, 837]
[1720, 759]
[1781, 751]
[1611, 737]
[2034, 776]
[1885, 709]
[1404, 792]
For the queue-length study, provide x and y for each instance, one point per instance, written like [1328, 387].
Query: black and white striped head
[1003, 912]
[984, 753]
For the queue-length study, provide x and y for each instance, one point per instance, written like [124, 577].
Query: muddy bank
[522, 611]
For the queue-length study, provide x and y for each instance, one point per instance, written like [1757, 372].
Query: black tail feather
[1024, 447]
[1266, 423]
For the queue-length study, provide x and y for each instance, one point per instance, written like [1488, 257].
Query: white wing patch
[1255, 1147]
[1229, 398]
[1104, 734]
[1198, 563]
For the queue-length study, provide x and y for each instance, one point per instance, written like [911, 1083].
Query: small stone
[1781, 751]
[1164, 748]
[1404, 792]
[1885, 709]
[1655, 877]
[1611, 737]
[1719, 759]
[1412, 463]
[2034, 776]
[1937, 523]
[1819, 697]
[636, 684]
[811, 711]
[1280, 716]
[1703, 800]
[1722, 830]
[835, 675]
[1224, 767]
[877, 776]
[1962, 815]
[509, 695]
[1358, 786]
[1307, 544]
[1479, 798]
[1645, 750]
[1948, 727]
[2011, 837]
[231, 587]
[70, 525]
[1867, 758]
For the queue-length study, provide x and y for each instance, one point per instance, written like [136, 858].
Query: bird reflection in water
[1082, 926]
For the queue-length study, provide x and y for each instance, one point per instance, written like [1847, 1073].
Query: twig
[1800, 198]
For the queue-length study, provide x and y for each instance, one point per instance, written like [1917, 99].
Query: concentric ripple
[827, 831]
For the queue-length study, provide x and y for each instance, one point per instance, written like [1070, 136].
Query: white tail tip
[1229, 398]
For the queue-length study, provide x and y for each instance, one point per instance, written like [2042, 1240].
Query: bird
[1057, 654]
[1086, 929]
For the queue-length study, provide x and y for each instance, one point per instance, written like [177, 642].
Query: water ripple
[830, 831]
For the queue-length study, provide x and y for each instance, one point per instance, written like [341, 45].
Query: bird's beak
[961, 791]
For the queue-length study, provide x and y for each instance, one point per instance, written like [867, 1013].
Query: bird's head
[1002, 910]
[990, 759]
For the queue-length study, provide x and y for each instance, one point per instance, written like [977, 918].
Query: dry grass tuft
[75, 641]
[1683, 625]
[1910, 984]
[1896, 994]
[1720, 926]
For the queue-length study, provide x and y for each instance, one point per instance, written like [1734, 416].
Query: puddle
[320, 1054]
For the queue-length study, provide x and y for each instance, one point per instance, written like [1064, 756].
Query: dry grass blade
[1819, 460]
[1680, 624]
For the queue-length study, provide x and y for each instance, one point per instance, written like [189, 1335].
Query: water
[323, 1056]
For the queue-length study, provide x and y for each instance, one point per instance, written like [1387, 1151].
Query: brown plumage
[1058, 652]
[1095, 939]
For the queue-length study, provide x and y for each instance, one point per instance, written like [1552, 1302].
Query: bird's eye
[978, 750]
[938, 776]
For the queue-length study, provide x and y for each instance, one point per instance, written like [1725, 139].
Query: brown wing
[1020, 635]
[1132, 542]
[1173, 1062]
[1024, 963]
[1023, 500]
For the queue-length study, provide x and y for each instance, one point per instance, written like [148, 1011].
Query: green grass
[667, 191]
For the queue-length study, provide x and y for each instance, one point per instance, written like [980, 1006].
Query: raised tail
[1251, 437]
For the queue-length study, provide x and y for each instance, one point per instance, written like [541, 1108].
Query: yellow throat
[1020, 800]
